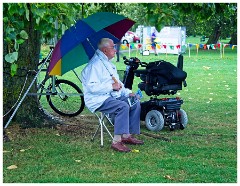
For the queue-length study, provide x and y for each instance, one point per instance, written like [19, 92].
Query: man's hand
[132, 95]
[116, 86]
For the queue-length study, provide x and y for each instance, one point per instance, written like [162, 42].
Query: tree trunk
[233, 40]
[214, 37]
[29, 113]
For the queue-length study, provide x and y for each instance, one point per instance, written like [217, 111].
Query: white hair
[104, 42]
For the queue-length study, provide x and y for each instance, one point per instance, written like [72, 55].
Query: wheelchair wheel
[154, 120]
[68, 100]
[183, 119]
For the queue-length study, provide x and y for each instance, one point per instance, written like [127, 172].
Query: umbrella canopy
[79, 43]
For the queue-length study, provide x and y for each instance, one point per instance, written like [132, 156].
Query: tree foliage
[213, 20]
[136, 12]
[45, 17]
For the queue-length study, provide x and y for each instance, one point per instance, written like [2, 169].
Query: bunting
[149, 46]
[204, 46]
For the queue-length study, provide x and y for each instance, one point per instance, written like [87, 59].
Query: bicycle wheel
[66, 101]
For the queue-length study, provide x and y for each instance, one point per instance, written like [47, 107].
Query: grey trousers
[126, 118]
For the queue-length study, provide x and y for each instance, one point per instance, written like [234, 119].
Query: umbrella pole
[25, 94]
[90, 43]
[77, 75]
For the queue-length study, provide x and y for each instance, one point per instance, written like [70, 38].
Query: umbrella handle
[114, 79]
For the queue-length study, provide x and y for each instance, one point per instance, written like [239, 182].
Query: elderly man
[104, 92]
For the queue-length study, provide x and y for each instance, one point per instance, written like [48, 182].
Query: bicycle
[58, 92]
[62, 95]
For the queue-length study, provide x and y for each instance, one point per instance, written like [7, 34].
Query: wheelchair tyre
[66, 105]
[183, 119]
[154, 120]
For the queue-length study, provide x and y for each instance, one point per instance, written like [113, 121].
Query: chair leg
[101, 133]
[109, 120]
[102, 126]
[108, 131]
[99, 126]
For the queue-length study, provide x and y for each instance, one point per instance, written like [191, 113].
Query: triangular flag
[212, 46]
[158, 46]
[148, 47]
[123, 47]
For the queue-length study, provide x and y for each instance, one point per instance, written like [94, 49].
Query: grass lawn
[204, 152]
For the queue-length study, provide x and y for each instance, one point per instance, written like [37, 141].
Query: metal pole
[34, 79]
[53, 84]
[56, 35]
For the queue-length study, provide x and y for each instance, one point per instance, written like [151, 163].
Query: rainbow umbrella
[79, 43]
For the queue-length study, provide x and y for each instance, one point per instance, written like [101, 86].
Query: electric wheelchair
[159, 78]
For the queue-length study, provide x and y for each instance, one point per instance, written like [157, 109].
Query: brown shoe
[119, 146]
[132, 140]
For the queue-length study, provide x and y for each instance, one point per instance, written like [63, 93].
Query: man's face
[110, 51]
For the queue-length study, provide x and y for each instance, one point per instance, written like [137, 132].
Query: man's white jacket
[97, 81]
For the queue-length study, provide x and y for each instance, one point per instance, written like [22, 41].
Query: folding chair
[101, 116]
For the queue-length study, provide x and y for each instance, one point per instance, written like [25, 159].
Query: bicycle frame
[53, 78]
